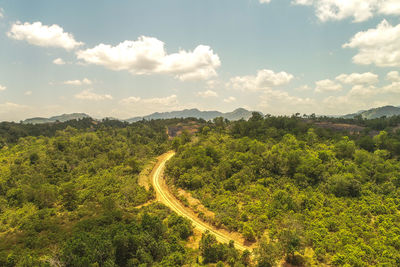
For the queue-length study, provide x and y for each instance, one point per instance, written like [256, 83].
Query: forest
[309, 195]
[305, 195]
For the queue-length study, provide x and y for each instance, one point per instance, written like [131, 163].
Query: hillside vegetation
[304, 194]
[308, 195]
[69, 200]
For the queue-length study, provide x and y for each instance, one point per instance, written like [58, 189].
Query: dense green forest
[308, 195]
[69, 196]
[68, 199]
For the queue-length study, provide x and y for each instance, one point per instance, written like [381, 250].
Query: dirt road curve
[166, 197]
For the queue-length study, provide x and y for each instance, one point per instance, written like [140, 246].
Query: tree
[208, 248]
[345, 149]
[249, 233]
[344, 185]
[266, 253]
[290, 241]
[382, 140]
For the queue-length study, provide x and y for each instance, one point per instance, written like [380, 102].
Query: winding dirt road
[167, 198]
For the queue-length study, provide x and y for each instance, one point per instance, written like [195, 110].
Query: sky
[131, 58]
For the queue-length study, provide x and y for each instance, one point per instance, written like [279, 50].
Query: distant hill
[375, 113]
[60, 118]
[237, 114]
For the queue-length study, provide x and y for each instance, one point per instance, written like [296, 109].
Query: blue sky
[128, 58]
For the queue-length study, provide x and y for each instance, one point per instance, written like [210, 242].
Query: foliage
[68, 198]
[302, 187]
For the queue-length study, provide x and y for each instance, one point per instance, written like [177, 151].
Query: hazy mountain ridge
[60, 118]
[237, 114]
[375, 113]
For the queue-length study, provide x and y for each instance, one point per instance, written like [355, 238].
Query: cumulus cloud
[147, 55]
[393, 88]
[207, 94]
[393, 76]
[85, 81]
[359, 10]
[264, 80]
[358, 78]
[303, 88]
[59, 61]
[43, 35]
[166, 101]
[327, 85]
[358, 98]
[379, 46]
[90, 95]
[363, 91]
[11, 111]
[137, 106]
[281, 102]
[1, 13]
[230, 99]
[363, 96]
[265, 1]
[2, 87]
[390, 7]
[303, 2]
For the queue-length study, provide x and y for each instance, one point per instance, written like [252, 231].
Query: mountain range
[237, 114]
[375, 113]
[60, 118]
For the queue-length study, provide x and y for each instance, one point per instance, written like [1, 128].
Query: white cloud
[130, 100]
[1, 13]
[230, 99]
[303, 88]
[43, 35]
[379, 46]
[362, 96]
[85, 81]
[90, 95]
[207, 94]
[303, 2]
[358, 98]
[327, 86]
[2, 87]
[363, 91]
[147, 55]
[358, 78]
[359, 10]
[214, 83]
[166, 101]
[59, 61]
[390, 7]
[394, 87]
[264, 80]
[265, 1]
[11, 111]
[137, 106]
[281, 102]
[393, 76]
[28, 93]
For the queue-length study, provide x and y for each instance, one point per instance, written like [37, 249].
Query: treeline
[10, 132]
[275, 128]
[378, 124]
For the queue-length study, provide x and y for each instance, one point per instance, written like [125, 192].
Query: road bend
[168, 199]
